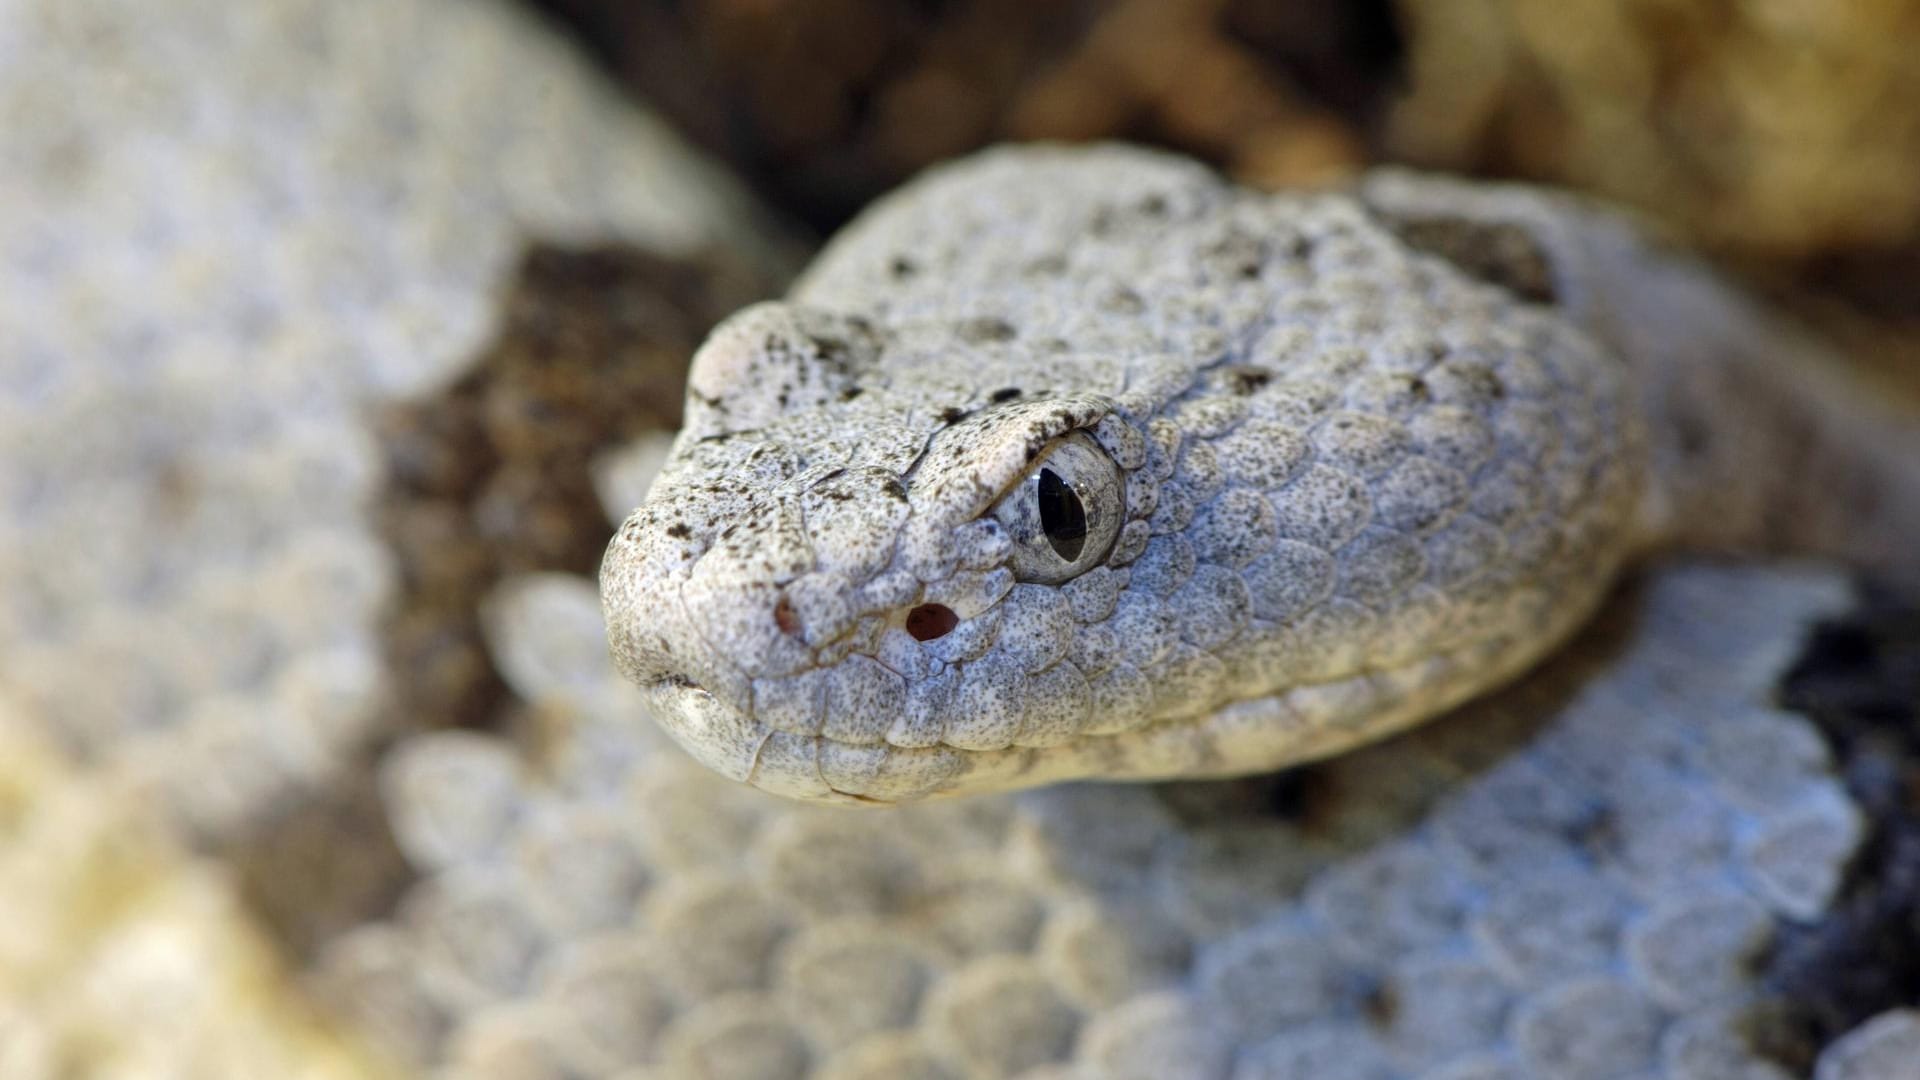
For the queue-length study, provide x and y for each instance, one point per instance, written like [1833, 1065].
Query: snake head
[840, 589]
[1122, 472]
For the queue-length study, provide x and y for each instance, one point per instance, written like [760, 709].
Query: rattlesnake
[1081, 462]
[228, 227]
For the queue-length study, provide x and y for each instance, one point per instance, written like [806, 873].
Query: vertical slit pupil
[1062, 517]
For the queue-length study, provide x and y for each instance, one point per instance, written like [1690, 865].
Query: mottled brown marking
[490, 476]
[1496, 253]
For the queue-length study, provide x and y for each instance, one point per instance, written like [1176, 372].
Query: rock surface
[123, 956]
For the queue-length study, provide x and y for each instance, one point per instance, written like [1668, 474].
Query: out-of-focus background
[1782, 137]
[333, 333]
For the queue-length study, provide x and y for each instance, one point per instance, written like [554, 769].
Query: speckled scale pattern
[1360, 486]
[1571, 879]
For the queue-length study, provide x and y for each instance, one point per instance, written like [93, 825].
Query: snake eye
[1064, 513]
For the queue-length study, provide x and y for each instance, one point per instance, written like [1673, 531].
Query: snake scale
[1081, 462]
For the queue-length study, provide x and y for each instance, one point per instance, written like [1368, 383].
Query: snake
[1068, 462]
[231, 228]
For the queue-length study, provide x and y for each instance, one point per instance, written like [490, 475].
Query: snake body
[1082, 462]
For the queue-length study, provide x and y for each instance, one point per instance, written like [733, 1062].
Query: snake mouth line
[1296, 722]
[681, 683]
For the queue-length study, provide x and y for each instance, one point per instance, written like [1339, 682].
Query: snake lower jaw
[1296, 725]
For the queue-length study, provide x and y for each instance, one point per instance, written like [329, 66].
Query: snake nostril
[931, 621]
[785, 618]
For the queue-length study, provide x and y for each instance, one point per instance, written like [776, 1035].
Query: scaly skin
[1374, 453]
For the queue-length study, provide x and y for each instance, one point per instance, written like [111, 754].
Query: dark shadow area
[825, 105]
[1859, 680]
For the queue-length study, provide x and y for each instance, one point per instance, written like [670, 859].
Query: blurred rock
[1781, 137]
[122, 956]
[825, 105]
[1764, 131]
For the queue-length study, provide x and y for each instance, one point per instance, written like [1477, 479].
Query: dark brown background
[1783, 138]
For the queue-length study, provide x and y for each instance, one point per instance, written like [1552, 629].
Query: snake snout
[697, 609]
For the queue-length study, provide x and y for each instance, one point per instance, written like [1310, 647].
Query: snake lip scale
[1066, 463]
